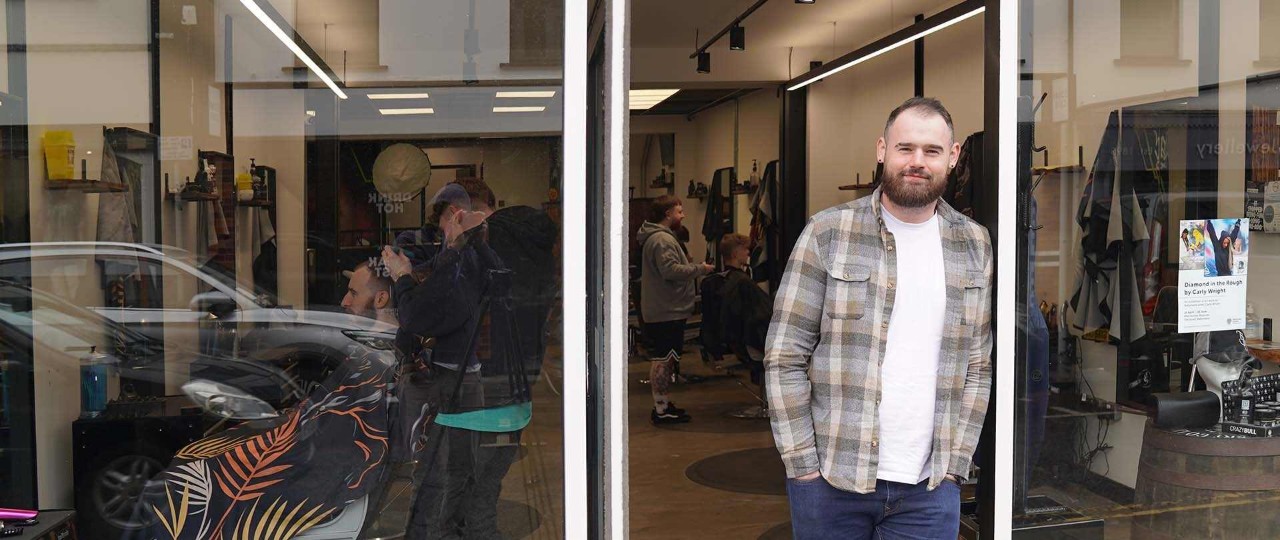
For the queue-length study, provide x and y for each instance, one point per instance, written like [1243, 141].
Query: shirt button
[885, 325]
[875, 443]
[892, 284]
[848, 276]
[890, 247]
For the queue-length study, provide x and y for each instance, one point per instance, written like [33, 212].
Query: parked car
[199, 325]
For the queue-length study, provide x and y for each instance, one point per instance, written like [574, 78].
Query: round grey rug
[756, 470]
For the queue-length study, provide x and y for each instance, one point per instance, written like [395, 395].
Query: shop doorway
[757, 147]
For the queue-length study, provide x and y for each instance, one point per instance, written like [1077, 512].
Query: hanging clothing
[265, 261]
[719, 210]
[960, 181]
[764, 225]
[1104, 215]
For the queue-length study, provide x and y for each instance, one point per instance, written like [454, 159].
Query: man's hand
[953, 478]
[397, 264]
[708, 268]
[460, 222]
[811, 476]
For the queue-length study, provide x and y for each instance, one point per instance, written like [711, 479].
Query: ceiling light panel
[647, 99]
[419, 95]
[397, 112]
[518, 109]
[544, 94]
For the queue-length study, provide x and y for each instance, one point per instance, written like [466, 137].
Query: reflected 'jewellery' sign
[1213, 264]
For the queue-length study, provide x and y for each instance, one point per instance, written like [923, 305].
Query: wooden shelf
[192, 196]
[255, 203]
[853, 187]
[86, 186]
[1065, 169]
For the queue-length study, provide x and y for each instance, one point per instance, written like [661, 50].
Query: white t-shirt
[909, 374]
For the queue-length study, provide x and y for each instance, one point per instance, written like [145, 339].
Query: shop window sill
[1152, 61]
[1267, 62]
[532, 64]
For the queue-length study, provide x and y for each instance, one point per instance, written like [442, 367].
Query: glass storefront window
[1146, 375]
[286, 266]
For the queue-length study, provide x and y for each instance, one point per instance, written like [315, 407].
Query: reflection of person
[477, 431]
[369, 293]
[479, 445]
[666, 300]
[1223, 257]
[876, 402]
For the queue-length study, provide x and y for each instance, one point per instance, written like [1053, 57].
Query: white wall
[847, 111]
[417, 41]
[846, 117]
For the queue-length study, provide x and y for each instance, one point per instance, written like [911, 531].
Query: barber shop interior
[541, 269]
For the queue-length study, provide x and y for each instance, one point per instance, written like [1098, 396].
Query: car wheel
[111, 492]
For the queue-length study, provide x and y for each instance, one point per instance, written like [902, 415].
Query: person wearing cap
[423, 244]
[475, 436]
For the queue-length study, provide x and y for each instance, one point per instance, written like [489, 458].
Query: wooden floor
[665, 504]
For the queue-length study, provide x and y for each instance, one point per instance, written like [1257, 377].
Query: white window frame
[574, 276]
[1003, 398]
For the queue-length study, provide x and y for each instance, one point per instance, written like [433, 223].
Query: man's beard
[905, 195]
[367, 312]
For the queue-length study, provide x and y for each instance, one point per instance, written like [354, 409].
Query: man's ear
[880, 149]
[955, 154]
[381, 299]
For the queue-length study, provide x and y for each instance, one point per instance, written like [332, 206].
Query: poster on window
[1213, 269]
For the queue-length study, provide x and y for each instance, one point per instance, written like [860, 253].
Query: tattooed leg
[660, 380]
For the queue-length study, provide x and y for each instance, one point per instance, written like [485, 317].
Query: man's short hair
[733, 241]
[479, 191]
[661, 205]
[379, 279]
[923, 105]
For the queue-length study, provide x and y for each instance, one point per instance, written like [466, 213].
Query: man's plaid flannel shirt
[827, 341]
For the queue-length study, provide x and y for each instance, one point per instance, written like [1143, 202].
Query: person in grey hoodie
[667, 291]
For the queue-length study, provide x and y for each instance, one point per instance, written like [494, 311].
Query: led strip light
[271, 25]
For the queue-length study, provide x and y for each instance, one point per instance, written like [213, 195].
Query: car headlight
[379, 341]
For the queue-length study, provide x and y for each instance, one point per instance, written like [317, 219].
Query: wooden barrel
[1204, 485]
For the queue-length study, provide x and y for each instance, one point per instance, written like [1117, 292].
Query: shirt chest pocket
[975, 295]
[849, 292]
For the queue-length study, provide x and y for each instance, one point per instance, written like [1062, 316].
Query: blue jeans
[893, 511]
